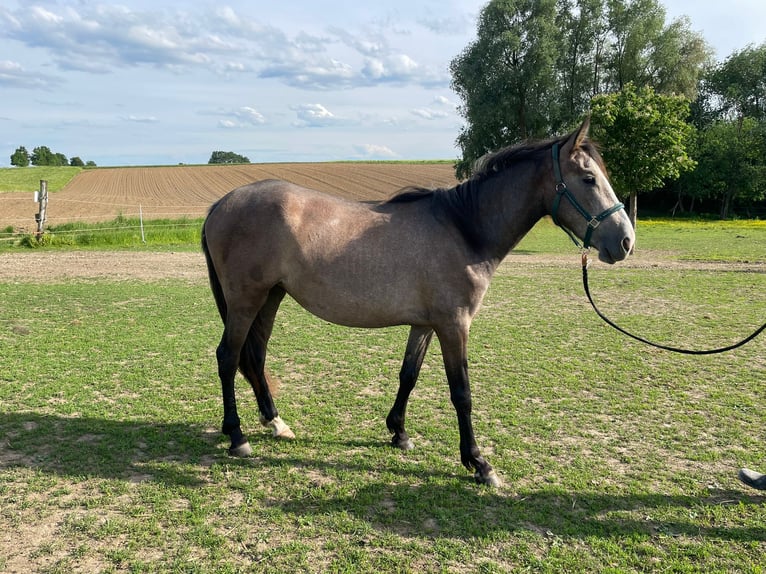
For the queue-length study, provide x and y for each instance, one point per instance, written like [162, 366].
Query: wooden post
[40, 215]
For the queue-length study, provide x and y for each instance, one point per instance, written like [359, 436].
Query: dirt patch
[53, 266]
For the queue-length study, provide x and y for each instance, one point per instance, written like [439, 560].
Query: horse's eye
[590, 180]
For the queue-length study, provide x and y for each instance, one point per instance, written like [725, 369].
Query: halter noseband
[563, 191]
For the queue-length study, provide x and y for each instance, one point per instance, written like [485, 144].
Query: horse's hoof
[404, 445]
[278, 428]
[241, 451]
[285, 433]
[490, 479]
[752, 478]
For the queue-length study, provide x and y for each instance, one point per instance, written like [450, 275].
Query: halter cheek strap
[563, 191]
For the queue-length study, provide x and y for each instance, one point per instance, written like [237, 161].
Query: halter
[563, 191]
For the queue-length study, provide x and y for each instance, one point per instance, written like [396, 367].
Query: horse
[423, 258]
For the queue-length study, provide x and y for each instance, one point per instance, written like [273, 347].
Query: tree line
[675, 125]
[43, 156]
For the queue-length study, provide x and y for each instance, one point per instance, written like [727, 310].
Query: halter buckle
[594, 223]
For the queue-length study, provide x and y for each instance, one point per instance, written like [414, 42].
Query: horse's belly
[360, 303]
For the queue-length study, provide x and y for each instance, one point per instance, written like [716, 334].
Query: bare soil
[53, 266]
[188, 191]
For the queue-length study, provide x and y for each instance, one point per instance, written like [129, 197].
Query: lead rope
[586, 263]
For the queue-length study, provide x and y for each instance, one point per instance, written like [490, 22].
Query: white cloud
[314, 115]
[102, 38]
[250, 115]
[141, 119]
[243, 117]
[444, 101]
[375, 151]
[13, 75]
[429, 114]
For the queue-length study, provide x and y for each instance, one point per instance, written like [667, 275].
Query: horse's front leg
[417, 345]
[454, 352]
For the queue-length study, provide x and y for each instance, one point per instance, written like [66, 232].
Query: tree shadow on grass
[428, 502]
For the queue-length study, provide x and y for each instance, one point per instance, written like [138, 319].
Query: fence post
[43, 199]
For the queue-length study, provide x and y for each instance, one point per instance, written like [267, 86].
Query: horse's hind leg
[417, 345]
[235, 333]
[252, 362]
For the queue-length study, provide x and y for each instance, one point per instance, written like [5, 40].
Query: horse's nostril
[627, 244]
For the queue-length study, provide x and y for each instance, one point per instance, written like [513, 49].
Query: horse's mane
[494, 163]
[459, 202]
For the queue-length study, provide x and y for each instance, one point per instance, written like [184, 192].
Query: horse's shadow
[458, 508]
[178, 454]
[135, 451]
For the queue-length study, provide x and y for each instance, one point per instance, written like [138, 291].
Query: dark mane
[496, 162]
[459, 203]
[501, 160]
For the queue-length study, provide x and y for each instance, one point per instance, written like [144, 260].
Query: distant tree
[645, 137]
[60, 159]
[42, 155]
[90, 163]
[20, 157]
[227, 157]
[730, 164]
[76, 162]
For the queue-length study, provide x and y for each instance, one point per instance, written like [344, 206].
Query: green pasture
[614, 457]
[28, 178]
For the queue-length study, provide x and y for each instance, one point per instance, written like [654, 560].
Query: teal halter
[563, 191]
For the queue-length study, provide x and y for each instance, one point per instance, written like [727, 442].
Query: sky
[162, 83]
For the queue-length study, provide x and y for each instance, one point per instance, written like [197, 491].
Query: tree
[730, 164]
[42, 155]
[227, 157]
[736, 88]
[506, 77]
[76, 162]
[535, 65]
[20, 157]
[730, 114]
[645, 138]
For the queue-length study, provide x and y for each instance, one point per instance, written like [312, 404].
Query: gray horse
[424, 258]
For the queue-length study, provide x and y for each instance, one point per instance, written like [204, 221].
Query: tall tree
[506, 77]
[736, 88]
[645, 137]
[535, 65]
[583, 28]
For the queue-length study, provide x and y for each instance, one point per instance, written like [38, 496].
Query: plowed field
[174, 192]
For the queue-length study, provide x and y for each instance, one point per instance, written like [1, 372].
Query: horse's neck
[509, 205]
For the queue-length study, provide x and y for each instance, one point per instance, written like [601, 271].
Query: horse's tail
[215, 283]
[247, 354]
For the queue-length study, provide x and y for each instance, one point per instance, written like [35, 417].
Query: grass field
[614, 457]
[28, 178]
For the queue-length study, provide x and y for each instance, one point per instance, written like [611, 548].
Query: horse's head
[584, 204]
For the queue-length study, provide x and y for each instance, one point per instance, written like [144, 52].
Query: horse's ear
[582, 133]
[577, 137]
